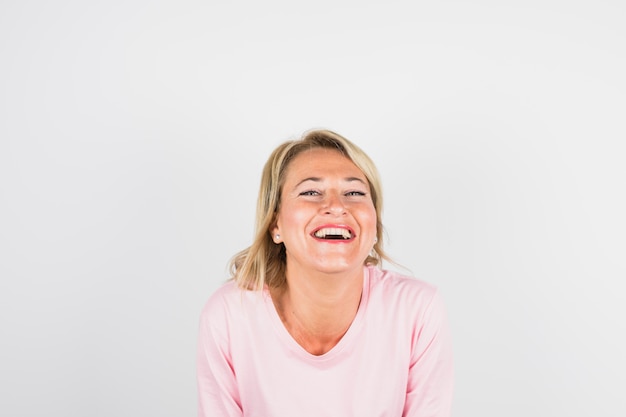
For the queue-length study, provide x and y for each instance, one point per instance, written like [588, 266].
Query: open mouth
[333, 233]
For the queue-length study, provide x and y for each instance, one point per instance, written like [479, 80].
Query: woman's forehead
[321, 163]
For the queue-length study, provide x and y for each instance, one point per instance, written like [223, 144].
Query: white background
[132, 136]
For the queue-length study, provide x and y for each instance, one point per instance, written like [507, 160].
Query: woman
[310, 325]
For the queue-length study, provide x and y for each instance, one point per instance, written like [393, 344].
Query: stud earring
[276, 237]
[375, 240]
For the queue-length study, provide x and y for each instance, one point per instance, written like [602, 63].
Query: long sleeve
[430, 383]
[218, 394]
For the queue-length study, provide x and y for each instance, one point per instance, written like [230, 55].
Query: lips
[337, 233]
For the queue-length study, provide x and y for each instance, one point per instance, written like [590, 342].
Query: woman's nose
[334, 204]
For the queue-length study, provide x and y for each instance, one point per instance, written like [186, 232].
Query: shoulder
[395, 284]
[402, 293]
[229, 302]
[220, 298]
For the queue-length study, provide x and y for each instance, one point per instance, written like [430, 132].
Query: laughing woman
[310, 325]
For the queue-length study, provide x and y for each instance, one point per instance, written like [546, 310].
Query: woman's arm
[218, 395]
[430, 383]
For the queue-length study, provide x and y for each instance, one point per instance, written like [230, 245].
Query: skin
[324, 277]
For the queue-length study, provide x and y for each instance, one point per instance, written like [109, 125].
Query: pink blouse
[394, 360]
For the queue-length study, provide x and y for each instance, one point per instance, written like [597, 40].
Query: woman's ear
[275, 233]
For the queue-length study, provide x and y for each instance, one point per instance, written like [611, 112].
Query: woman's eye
[309, 192]
[355, 193]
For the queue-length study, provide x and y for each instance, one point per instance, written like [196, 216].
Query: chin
[338, 268]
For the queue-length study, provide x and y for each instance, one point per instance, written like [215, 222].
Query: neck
[317, 309]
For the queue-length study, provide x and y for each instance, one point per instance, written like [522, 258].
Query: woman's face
[326, 220]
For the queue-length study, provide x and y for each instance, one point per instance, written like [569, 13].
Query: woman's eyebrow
[318, 179]
[314, 179]
[352, 179]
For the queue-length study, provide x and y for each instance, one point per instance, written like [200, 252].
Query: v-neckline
[295, 347]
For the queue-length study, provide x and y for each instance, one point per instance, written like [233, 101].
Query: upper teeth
[333, 231]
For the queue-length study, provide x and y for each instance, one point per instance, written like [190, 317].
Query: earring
[276, 237]
[375, 240]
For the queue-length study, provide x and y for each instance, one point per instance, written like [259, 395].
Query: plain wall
[133, 133]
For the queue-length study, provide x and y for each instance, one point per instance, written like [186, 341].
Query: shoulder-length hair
[264, 262]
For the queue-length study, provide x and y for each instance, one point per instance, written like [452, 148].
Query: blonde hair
[264, 262]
